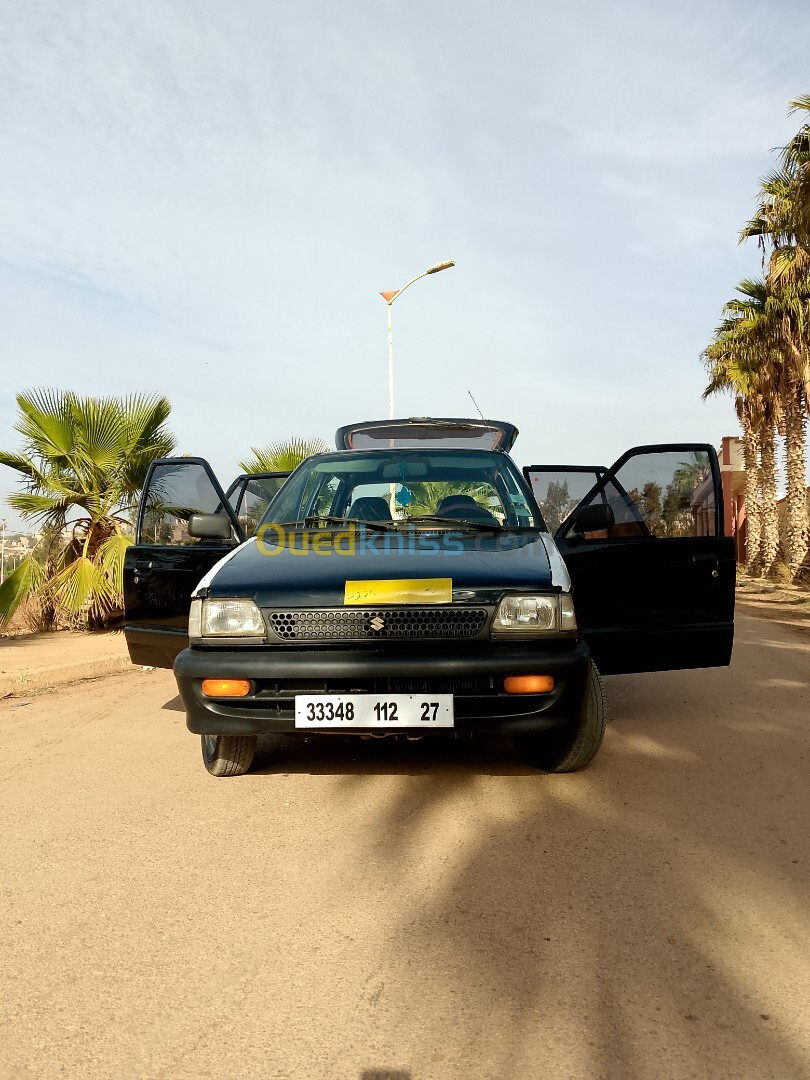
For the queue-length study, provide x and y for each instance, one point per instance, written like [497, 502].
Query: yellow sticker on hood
[404, 591]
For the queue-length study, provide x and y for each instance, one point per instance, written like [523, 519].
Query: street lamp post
[389, 298]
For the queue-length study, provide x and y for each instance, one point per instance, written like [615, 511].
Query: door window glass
[251, 499]
[175, 491]
[558, 491]
[667, 493]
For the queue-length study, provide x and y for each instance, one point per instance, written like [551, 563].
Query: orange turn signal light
[528, 684]
[225, 687]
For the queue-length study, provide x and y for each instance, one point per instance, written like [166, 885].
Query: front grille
[435, 684]
[473, 685]
[346, 624]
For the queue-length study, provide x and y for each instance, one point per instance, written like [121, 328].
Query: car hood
[480, 565]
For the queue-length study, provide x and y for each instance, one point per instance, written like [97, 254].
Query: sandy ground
[787, 605]
[31, 663]
[376, 909]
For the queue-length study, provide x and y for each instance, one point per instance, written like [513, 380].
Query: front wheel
[576, 745]
[228, 755]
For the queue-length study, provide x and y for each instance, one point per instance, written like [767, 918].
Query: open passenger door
[652, 573]
[165, 564]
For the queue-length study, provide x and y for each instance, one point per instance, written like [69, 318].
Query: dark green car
[416, 580]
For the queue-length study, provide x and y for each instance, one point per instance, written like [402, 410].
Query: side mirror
[210, 527]
[597, 517]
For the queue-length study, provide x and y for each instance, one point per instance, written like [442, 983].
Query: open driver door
[165, 564]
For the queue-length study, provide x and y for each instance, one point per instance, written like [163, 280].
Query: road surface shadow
[645, 917]
[385, 1074]
[350, 755]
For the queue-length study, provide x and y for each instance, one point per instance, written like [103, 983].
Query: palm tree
[782, 221]
[782, 228]
[734, 366]
[425, 497]
[83, 463]
[761, 353]
[282, 456]
[772, 317]
[776, 314]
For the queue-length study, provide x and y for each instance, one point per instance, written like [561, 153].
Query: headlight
[535, 614]
[225, 618]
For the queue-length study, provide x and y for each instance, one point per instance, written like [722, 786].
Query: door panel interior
[655, 590]
[165, 564]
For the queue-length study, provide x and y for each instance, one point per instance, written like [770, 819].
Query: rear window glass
[405, 436]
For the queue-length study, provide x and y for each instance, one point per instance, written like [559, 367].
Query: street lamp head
[440, 266]
[389, 297]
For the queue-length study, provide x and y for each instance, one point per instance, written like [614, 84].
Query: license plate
[421, 711]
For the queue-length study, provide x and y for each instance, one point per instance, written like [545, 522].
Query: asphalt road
[400, 910]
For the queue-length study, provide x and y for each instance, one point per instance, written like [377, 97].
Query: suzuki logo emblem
[377, 623]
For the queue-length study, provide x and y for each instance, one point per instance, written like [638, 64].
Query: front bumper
[473, 673]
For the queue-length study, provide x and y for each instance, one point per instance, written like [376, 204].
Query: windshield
[397, 487]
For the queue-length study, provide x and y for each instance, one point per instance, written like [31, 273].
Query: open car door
[652, 573]
[165, 564]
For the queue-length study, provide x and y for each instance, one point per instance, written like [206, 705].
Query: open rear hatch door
[420, 432]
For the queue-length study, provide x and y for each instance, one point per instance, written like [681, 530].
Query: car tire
[575, 746]
[228, 755]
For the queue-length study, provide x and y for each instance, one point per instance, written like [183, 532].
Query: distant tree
[557, 504]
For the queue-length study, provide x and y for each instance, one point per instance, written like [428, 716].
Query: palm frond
[100, 432]
[45, 508]
[110, 559]
[82, 584]
[25, 465]
[46, 421]
[283, 456]
[21, 583]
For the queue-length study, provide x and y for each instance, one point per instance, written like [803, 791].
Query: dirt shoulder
[788, 605]
[31, 663]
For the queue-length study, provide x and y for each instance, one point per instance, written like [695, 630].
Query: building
[732, 475]
[732, 479]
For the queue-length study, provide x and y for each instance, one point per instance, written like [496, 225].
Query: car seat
[461, 507]
[370, 508]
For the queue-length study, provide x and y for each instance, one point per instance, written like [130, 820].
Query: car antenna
[475, 403]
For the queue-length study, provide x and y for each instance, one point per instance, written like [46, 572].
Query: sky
[204, 201]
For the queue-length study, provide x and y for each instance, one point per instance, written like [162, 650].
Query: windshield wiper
[481, 526]
[381, 526]
[316, 519]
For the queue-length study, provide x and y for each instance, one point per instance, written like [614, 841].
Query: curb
[35, 682]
